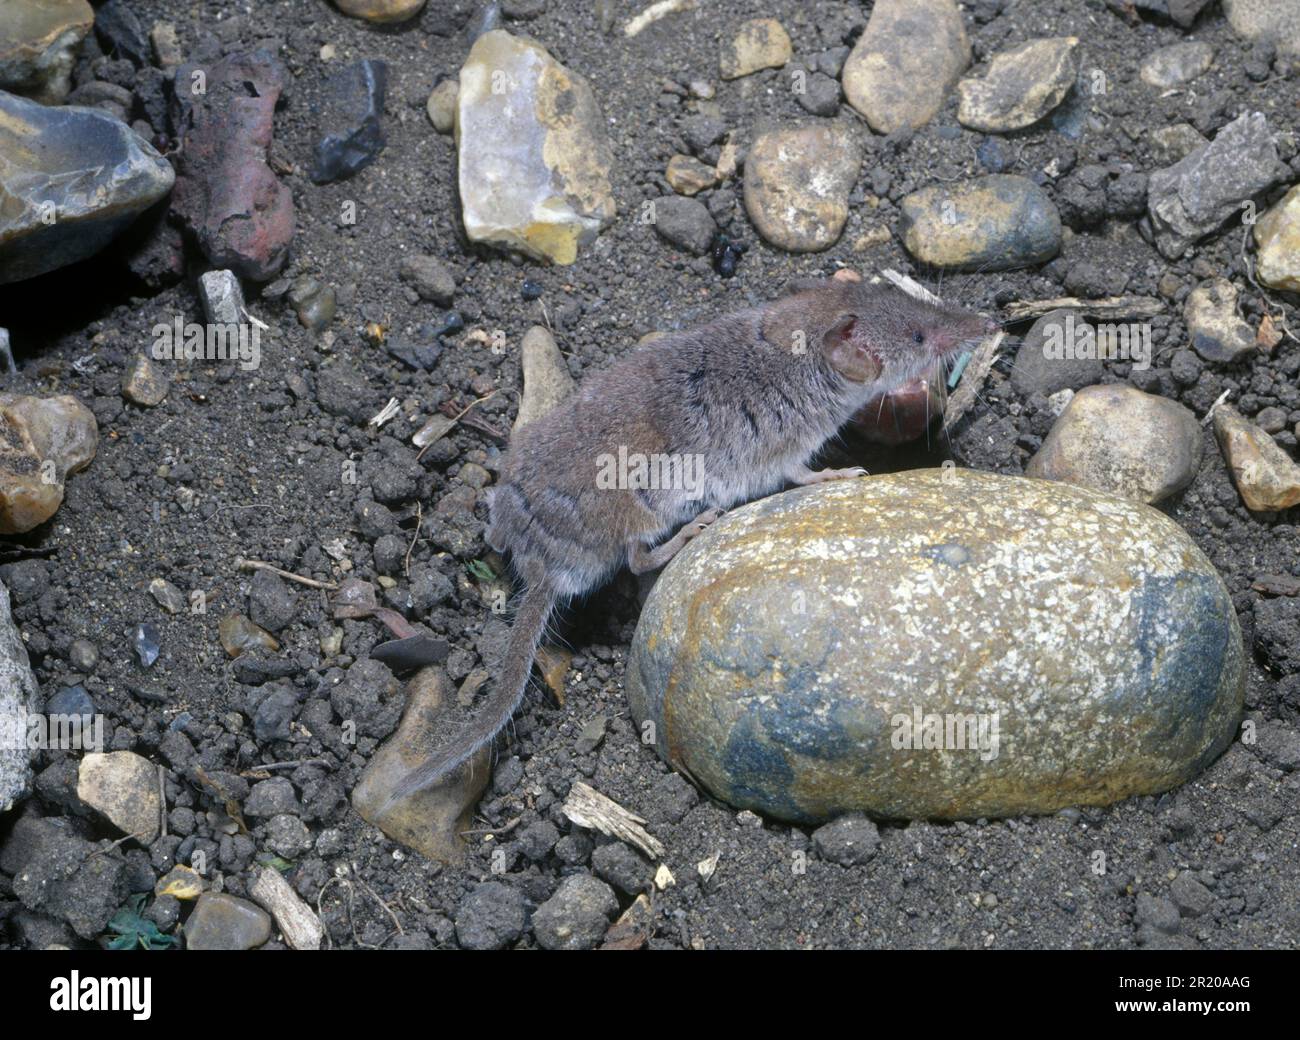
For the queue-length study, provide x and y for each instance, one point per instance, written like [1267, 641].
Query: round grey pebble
[83, 655]
[685, 223]
[390, 554]
[272, 798]
[1158, 913]
[573, 849]
[537, 840]
[849, 841]
[430, 278]
[621, 867]
[1191, 897]
[490, 918]
[271, 604]
[287, 836]
[576, 916]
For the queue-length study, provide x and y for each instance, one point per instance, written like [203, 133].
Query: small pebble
[83, 655]
[146, 643]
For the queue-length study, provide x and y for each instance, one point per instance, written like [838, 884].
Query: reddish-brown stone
[225, 192]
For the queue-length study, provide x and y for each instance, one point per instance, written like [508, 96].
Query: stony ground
[252, 465]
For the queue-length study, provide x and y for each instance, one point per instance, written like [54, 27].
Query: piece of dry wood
[1106, 307]
[297, 922]
[653, 13]
[588, 808]
[910, 286]
[634, 928]
[242, 564]
[977, 370]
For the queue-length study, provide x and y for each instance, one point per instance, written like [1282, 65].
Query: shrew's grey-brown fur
[753, 395]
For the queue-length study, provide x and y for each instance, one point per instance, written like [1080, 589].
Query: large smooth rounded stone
[796, 658]
[797, 184]
[995, 223]
[905, 62]
[70, 180]
[1120, 440]
[1021, 86]
[382, 11]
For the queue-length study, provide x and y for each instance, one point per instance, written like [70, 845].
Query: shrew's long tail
[530, 622]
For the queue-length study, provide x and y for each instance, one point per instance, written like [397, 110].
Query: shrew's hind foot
[821, 476]
[641, 559]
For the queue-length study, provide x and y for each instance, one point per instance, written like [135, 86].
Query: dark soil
[252, 464]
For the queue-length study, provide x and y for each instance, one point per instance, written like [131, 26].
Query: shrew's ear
[793, 323]
[789, 324]
[848, 351]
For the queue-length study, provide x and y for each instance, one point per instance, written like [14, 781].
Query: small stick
[375, 896]
[292, 764]
[977, 371]
[505, 828]
[455, 419]
[419, 519]
[1209, 416]
[258, 565]
[162, 797]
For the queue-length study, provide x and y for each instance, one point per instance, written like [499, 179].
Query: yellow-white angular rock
[761, 43]
[1277, 236]
[534, 160]
[1022, 85]
[124, 787]
[1267, 477]
[1120, 440]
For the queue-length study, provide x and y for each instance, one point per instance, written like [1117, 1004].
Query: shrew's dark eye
[918, 337]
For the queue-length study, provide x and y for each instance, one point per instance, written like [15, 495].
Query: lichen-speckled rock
[534, 159]
[784, 654]
[1021, 86]
[905, 62]
[797, 184]
[1277, 236]
[994, 223]
[1116, 438]
[18, 696]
